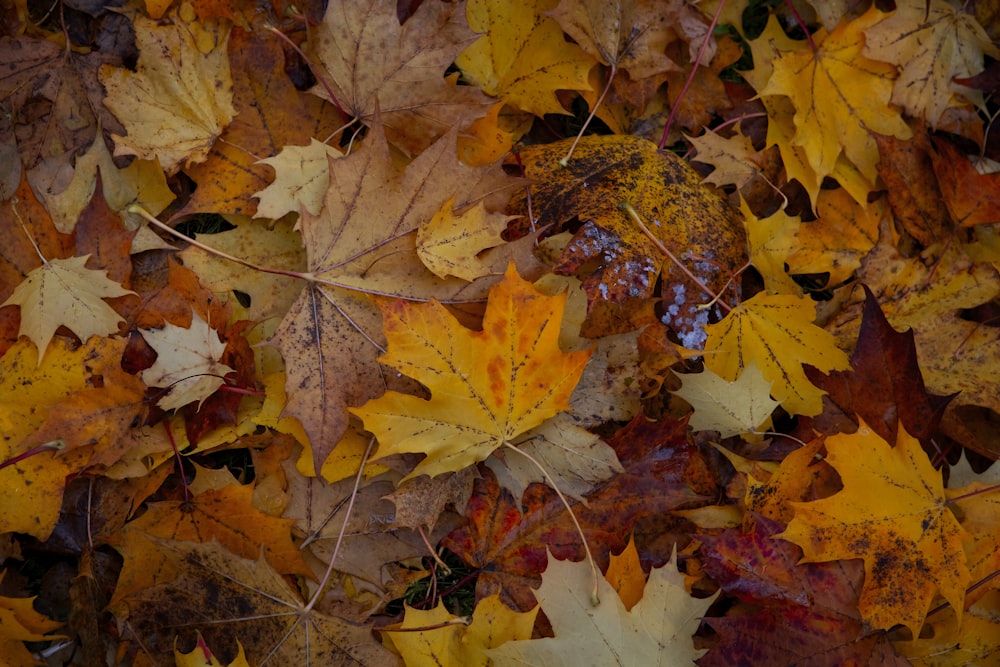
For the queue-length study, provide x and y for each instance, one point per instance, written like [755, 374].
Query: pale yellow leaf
[301, 177]
[731, 408]
[187, 363]
[64, 292]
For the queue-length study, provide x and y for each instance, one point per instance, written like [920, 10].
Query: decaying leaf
[64, 292]
[892, 513]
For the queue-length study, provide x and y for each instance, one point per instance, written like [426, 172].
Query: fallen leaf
[777, 333]
[179, 99]
[657, 630]
[892, 514]
[771, 240]
[933, 43]
[201, 656]
[857, 92]
[626, 576]
[885, 387]
[64, 292]
[187, 363]
[397, 69]
[618, 262]
[731, 408]
[732, 158]
[301, 177]
[478, 403]
[972, 198]
[523, 57]
[449, 242]
[224, 596]
[458, 644]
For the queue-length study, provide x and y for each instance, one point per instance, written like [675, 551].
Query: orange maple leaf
[893, 514]
[487, 387]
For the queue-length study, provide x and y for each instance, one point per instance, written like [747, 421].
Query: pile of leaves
[499, 332]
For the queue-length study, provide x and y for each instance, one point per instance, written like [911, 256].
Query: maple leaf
[19, 623]
[620, 262]
[732, 158]
[53, 96]
[487, 387]
[449, 242]
[771, 240]
[840, 97]
[777, 333]
[885, 387]
[892, 513]
[933, 43]
[302, 175]
[523, 58]
[64, 292]
[842, 234]
[373, 62]
[187, 363]
[224, 596]
[632, 34]
[458, 645]
[657, 630]
[801, 613]
[731, 408]
[908, 170]
[362, 243]
[176, 103]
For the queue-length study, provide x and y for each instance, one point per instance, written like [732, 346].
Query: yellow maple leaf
[770, 241]
[776, 332]
[487, 387]
[454, 641]
[179, 99]
[523, 58]
[448, 243]
[893, 514]
[732, 158]
[19, 623]
[64, 292]
[842, 234]
[933, 43]
[840, 97]
[201, 656]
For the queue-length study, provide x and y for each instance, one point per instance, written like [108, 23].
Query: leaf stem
[595, 598]
[593, 112]
[145, 215]
[694, 68]
[343, 530]
[632, 213]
